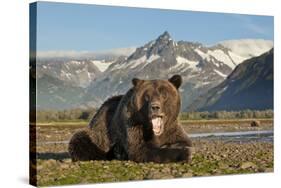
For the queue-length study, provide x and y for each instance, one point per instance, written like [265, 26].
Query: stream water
[239, 136]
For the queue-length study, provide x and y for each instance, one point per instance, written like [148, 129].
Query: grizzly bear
[140, 126]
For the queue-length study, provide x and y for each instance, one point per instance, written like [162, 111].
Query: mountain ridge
[249, 86]
[201, 67]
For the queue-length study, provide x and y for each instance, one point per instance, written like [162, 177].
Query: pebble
[246, 165]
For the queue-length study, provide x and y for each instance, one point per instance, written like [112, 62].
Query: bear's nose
[155, 107]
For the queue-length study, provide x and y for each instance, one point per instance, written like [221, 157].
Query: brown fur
[122, 127]
[255, 123]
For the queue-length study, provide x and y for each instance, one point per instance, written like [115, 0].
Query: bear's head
[157, 103]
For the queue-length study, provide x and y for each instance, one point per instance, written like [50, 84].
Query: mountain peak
[165, 36]
[166, 33]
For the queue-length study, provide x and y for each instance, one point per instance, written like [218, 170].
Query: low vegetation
[210, 158]
[244, 114]
[86, 114]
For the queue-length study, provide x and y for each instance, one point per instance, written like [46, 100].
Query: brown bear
[140, 126]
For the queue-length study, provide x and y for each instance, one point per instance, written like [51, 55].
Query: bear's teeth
[156, 123]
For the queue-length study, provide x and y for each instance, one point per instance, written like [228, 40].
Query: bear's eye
[164, 95]
[146, 97]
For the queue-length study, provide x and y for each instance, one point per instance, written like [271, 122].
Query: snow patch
[89, 75]
[200, 84]
[78, 71]
[221, 56]
[152, 43]
[137, 62]
[186, 64]
[75, 62]
[102, 66]
[202, 54]
[220, 73]
[68, 75]
[153, 58]
[237, 58]
[216, 64]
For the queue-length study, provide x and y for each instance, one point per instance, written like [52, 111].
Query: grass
[61, 123]
[226, 121]
[199, 121]
[209, 158]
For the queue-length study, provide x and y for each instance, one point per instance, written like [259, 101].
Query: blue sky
[80, 27]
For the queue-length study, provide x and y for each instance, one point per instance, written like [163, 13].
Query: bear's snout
[155, 107]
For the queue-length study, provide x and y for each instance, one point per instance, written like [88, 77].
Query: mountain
[201, 67]
[75, 79]
[53, 93]
[249, 86]
[62, 84]
[63, 76]
[75, 73]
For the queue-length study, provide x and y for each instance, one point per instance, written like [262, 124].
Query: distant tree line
[78, 114]
[244, 114]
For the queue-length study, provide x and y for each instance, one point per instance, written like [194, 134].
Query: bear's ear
[176, 80]
[137, 81]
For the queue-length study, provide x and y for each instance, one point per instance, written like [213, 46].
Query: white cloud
[85, 54]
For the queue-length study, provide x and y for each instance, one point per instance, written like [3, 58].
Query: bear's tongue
[157, 123]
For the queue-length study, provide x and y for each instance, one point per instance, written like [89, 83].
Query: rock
[50, 162]
[167, 177]
[39, 167]
[246, 165]
[223, 165]
[269, 170]
[65, 166]
[166, 170]
[106, 167]
[154, 175]
[188, 174]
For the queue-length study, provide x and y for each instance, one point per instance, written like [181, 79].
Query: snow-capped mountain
[249, 86]
[73, 72]
[62, 83]
[53, 93]
[201, 67]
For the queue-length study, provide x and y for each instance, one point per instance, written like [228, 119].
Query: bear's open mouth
[157, 125]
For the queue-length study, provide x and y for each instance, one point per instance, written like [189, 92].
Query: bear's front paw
[185, 154]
